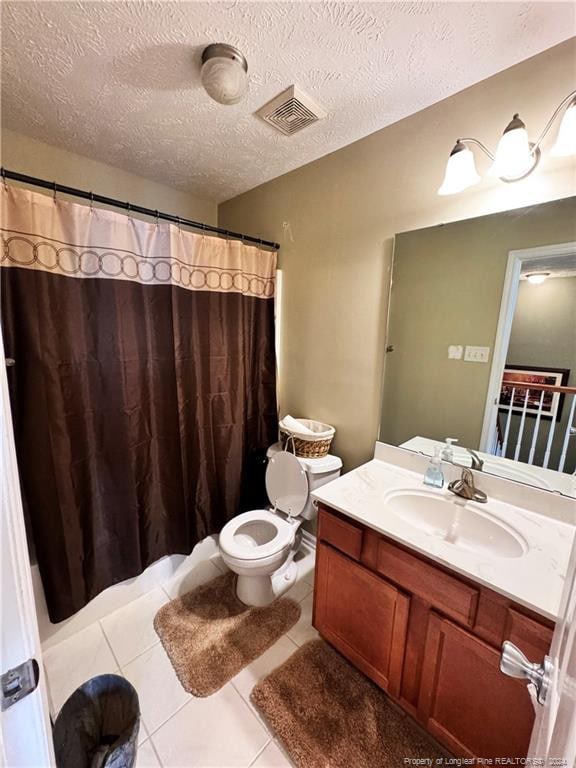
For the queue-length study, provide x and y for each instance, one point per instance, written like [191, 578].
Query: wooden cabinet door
[466, 702]
[362, 615]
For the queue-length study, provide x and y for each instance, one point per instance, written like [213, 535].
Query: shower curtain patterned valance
[144, 378]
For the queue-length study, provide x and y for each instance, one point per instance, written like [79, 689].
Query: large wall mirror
[481, 345]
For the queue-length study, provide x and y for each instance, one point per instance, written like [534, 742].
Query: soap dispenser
[447, 451]
[434, 475]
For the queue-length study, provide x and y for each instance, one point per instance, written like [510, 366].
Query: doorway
[531, 403]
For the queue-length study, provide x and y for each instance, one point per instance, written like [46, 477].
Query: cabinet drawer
[533, 639]
[444, 592]
[497, 620]
[341, 534]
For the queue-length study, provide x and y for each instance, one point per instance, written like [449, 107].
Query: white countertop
[534, 580]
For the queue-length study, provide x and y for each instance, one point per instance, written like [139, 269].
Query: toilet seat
[241, 536]
[259, 534]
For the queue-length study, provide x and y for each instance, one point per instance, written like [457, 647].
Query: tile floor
[176, 729]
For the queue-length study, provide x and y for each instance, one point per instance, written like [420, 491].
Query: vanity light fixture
[460, 170]
[537, 278]
[566, 140]
[224, 73]
[516, 156]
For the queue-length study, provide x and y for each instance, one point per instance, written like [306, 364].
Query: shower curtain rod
[52, 185]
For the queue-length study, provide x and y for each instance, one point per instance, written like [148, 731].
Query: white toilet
[260, 545]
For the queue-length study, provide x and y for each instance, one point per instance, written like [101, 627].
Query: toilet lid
[287, 483]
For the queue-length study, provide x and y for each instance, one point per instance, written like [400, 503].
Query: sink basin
[456, 522]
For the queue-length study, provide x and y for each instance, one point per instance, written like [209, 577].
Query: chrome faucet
[477, 462]
[466, 489]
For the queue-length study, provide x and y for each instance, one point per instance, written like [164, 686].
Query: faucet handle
[465, 488]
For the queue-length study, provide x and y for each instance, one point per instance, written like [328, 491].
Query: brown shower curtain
[144, 377]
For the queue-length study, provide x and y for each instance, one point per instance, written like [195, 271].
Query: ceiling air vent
[291, 111]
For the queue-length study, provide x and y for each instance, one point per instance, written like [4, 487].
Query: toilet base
[258, 591]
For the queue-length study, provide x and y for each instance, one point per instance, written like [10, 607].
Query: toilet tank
[319, 472]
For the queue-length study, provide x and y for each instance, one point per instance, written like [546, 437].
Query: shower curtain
[144, 377]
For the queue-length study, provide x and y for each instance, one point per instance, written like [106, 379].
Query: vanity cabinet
[429, 637]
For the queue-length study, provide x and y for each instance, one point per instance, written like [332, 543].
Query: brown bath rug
[209, 635]
[328, 715]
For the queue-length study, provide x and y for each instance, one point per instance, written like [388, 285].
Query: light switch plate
[477, 354]
[455, 352]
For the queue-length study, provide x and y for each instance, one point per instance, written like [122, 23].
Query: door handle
[17, 683]
[515, 664]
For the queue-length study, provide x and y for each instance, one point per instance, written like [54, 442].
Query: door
[25, 732]
[554, 734]
[466, 702]
[363, 616]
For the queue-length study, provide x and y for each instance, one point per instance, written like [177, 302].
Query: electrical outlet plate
[477, 354]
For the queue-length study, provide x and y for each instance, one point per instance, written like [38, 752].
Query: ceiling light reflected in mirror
[537, 278]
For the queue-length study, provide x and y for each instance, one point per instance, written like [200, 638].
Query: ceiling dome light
[460, 171]
[537, 278]
[566, 140]
[224, 73]
[514, 156]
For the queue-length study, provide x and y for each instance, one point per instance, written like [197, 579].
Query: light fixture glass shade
[460, 171]
[513, 156]
[224, 73]
[537, 278]
[565, 144]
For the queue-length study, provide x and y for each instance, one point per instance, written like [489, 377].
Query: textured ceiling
[119, 81]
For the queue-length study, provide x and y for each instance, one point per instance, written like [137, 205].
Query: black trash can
[98, 725]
